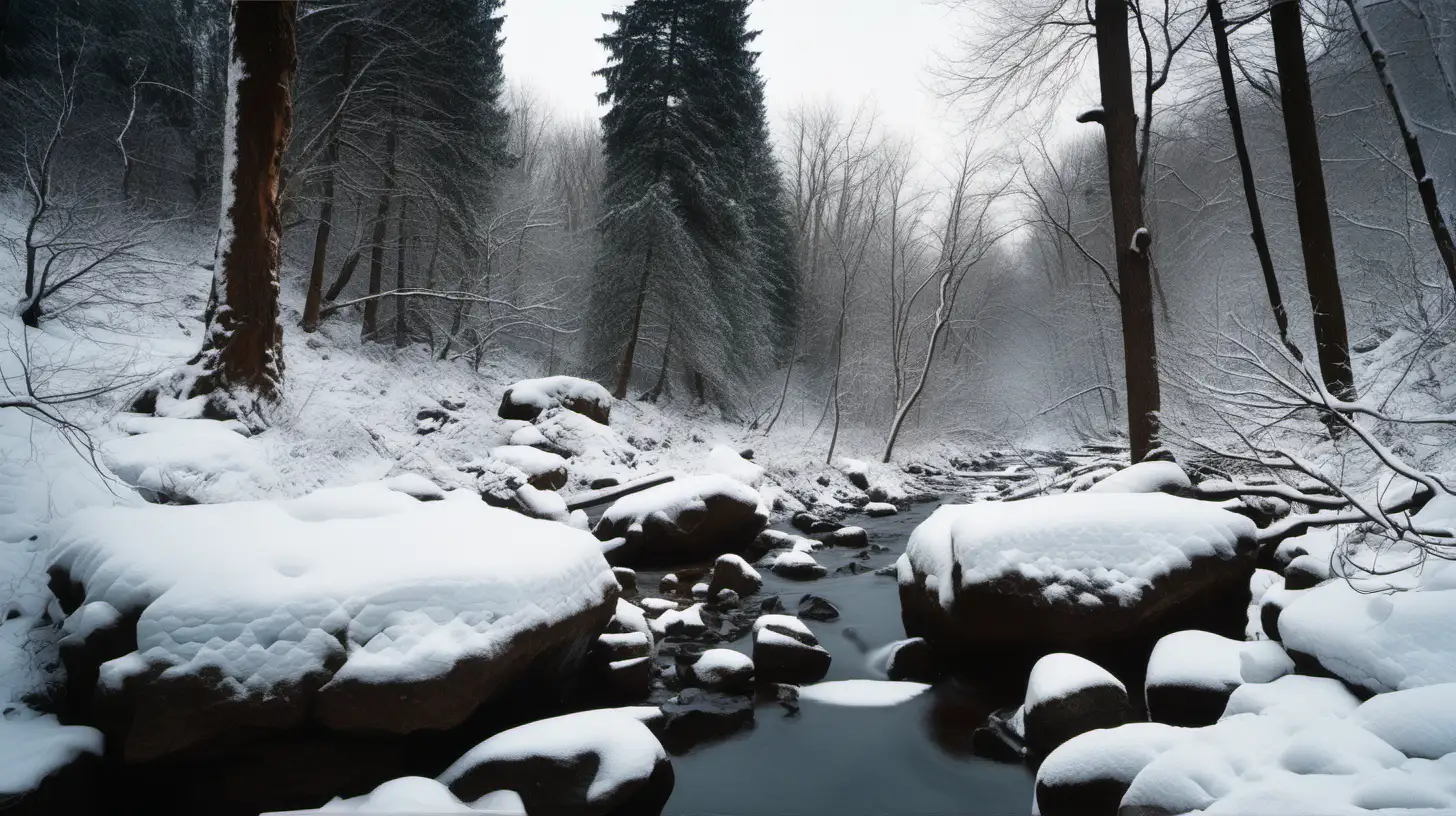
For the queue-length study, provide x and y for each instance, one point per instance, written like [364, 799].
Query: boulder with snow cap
[1074, 572]
[686, 520]
[1192, 673]
[786, 651]
[590, 763]
[722, 670]
[798, 565]
[1306, 572]
[527, 399]
[1067, 695]
[1089, 773]
[543, 470]
[730, 571]
[255, 618]
[847, 537]
[1146, 477]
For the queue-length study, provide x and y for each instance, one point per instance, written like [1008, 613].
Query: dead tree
[1133, 241]
[240, 366]
[1311, 206]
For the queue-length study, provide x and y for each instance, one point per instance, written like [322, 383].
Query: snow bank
[363, 584]
[1079, 548]
[863, 693]
[197, 460]
[33, 747]
[723, 459]
[1418, 722]
[1379, 641]
[1315, 695]
[1145, 477]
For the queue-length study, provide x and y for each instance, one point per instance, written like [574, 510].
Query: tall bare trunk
[624, 365]
[1246, 168]
[376, 244]
[241, 360]
[1315, 235]
[401, 308]
[313, 300]
[1133, 241]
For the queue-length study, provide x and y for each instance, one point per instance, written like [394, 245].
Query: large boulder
[543, 470]
[682, 521]
[1071, 572]
[527, 399]
[1067, 695]
[348, 611]
[1089, 774]
[785, 651]
[590, 763]
[1192, 673]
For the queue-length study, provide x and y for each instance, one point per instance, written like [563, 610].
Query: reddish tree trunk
[1315, 236]
[1134, 242]
[241, 361]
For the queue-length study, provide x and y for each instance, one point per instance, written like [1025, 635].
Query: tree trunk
[241, 362]
[624, 366]
[1246, 168]
[1315, 236]
[1425, 185]
[313, 300]
[1133, 241]
[401, 308]
[376, 244]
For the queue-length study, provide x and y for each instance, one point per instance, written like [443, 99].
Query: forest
[380, 434]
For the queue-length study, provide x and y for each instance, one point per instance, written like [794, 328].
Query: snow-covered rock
[863, 693]
[908, 659]
[407, 794]
[190, 461]
[786, 651]
[544, 470]
[723, 670]
[527, 399]
[731, 572]
[1067, 695]
[1192, 673]
[798, 565]
[1067, 570]
[1418, 722]
[576, 436]
[349, 609]
[725, 460]
[591, 762]
[37, 752]
[856, 471]
[1378, 641]
[879, 509]
[1316, 695]
[1145, 477]
[1089, 773]
[847, 537]
[684, 520]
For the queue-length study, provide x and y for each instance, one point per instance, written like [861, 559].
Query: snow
[528, 460]
[413, 484]
[881, 509]
[1317, 695]
[625, 750]
[723, 459]
[1108, 753]
[863, 693]
[721, 665]
[1059, 675]
[543, 504]
[527, 436]
[1088, 548]
[852, 467]
[1418, 722]
[796, 562]
[669, 502]
[788, 622]
[200, 460]
[264, 592]
[551, 392]
[33, 746]
[1145, 477]
[1379, 641]
[658, 605]
[1198, 659]
[408, 794]
[688, 620]
[500, 803]
[632, 619]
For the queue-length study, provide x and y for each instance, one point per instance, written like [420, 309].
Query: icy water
[913, 758]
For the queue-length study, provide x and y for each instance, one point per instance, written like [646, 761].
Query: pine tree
[693, 234]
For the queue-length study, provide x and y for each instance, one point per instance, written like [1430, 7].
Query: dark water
[912, 758]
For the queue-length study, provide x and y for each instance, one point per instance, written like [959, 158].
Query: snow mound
[1418, 722]
[408, 794]
[1315, 695]
[362, 584]
[863, 693]
[590, 443]
[1198, 659]
[193, 460]
[1061, 675]
[614, 748]
[33, 747]
[1145, 477]
[528, 460]
[723, 459]
[1108, 754]
[1379, 641]
[1078, 547]
[528, 398]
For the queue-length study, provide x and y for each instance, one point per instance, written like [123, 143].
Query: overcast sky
[846, 50]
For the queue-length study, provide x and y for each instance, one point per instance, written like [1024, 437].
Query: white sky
[845, 50]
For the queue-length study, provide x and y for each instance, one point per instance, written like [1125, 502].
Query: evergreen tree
[693, 212]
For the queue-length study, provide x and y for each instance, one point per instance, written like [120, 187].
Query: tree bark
[240, 365]
[1246, 168]
[1315, 235]
[376, 243]
[624, 366]
[1425, 185]
[401, 308]
[1133, 241]
[313, 300]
